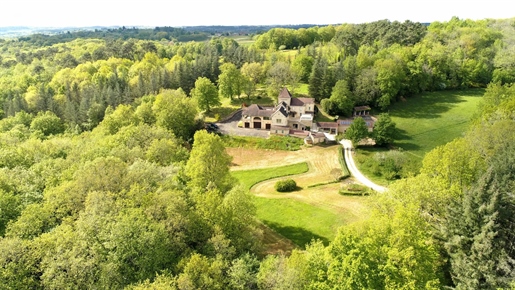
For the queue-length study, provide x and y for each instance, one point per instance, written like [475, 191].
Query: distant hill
[140, 32]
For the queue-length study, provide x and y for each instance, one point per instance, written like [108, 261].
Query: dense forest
[108, 182]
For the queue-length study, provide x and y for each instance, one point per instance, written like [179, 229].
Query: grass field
[298, 221]
[433, 119]
[425, 122]
[250, 177]
[310, 212]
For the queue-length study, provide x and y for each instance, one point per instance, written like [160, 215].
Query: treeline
[372, 64]
[122, 33]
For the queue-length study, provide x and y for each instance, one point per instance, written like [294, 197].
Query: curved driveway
[347, 146]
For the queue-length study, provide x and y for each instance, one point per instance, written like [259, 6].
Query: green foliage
[208, 164]
[286, 185]
[48, 124]
[279, 75]
[357, 131]
[166, 151]
[389, 165]
[273, 142]
[343, 164]
[354, 189]
[389, 251]
[176, 112]
[250, 177]
[478, 229]
[230, 81]
[341, 99]
[114, 120]
[384, 130]
[206, 94]
[113, 207]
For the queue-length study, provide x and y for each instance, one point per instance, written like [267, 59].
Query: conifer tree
[480, 230]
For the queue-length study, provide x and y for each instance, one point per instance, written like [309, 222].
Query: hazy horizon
[152, 13]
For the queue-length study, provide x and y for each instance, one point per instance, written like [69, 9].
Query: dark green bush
[286, 185]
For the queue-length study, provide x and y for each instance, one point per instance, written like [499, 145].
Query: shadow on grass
[402, 135]
[252, 100]
[430, 105]
[300, 236]
[220, 112]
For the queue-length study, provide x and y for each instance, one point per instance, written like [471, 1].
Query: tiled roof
[282, 110]
[258, 111]
[370, 121]
[298, 133]
[327, 125]
[301, 101]
[284, 93]
[362, 108]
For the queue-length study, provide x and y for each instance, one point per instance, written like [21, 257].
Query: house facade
[289, 114]
[295, 117]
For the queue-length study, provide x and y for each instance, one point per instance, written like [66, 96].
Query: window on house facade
[266, 118]
[278, 120]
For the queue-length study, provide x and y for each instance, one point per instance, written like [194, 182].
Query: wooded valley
[108, 180]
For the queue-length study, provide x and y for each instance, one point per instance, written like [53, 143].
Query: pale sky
[61, 13]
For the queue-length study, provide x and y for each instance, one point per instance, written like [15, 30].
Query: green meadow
[432, 119]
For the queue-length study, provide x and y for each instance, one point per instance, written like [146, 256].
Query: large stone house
[289, 114]
[295, 117]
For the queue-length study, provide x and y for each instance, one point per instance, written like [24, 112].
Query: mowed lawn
[250, 177]
[308, 213]
[433, 119]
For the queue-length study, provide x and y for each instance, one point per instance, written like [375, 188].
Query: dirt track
[323, 167]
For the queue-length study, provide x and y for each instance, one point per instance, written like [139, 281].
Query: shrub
[354, 189]
[286, 185]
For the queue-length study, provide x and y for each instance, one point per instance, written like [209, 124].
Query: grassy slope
[250, 177]
[433, 119]
[295, 220]
[425, 122]
[298, 221]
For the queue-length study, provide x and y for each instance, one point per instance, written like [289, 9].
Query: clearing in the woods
[315, 211]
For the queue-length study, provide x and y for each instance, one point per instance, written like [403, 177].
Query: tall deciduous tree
[280, 75]
[253, 72]
[209, 162]
[176, 112]
[230, 81]
[384, 129]
[206, 94]
[357, 131]
[341, 97]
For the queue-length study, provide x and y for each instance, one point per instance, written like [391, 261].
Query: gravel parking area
[230, 127]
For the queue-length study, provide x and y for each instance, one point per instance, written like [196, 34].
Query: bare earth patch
[323, 167]
[247, 159]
